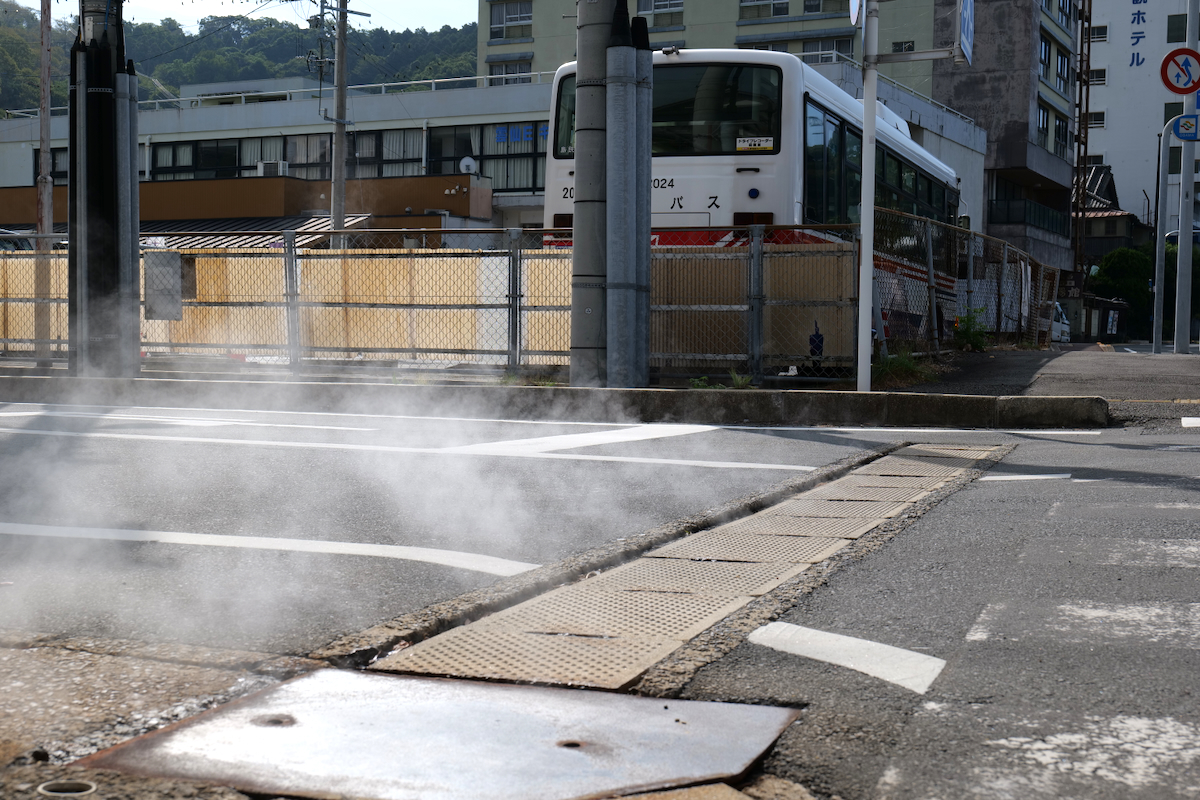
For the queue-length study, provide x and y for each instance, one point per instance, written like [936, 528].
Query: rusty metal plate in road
[333, 733]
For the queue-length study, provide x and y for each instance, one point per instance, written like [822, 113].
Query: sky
[390, 14]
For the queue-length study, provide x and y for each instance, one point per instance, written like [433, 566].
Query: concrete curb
[702, 406]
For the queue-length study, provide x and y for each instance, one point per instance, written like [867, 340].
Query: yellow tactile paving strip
[606, 630]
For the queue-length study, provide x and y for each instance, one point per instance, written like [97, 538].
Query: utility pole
[45, 202]
[337, 199]
[104, 274]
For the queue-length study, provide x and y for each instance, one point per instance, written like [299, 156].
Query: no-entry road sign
[1181, 71]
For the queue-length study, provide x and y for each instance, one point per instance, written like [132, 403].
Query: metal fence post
[514, 299]
[970, 274]
[291, 273]
[755, 321]
[935, 336]
[1000, 292]
[1022, 300]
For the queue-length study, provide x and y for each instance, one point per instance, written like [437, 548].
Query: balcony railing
[1027, 212]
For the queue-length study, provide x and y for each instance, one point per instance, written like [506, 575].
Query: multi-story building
[1129, 104]
[1020, 88]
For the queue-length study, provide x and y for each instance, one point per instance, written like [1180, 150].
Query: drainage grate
[892, 465]
[720, 545]
[878, 494]
[907, 481]
[580, 611]
[695, 577]
[864, 509]
[945, 451]
[475, 652]
[779, 525]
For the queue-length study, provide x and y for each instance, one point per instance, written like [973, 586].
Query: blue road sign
[1187, 128]
[966, 27]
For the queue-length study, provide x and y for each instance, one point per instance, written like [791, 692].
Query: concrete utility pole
[644, 163]
[337, 198]
[622, 222]
[45, 201]
[866, 265]
[1187, 208]
[589, 308]
[104, 275]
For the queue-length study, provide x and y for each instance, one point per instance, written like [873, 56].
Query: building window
[778, 47]
[513, 155]
[512, 72]
[667, 13]
[1095, 119]
[512, 20]
[1171, 110]
[1176, 28]
[758, 9]
[1044, 51]
[60, 163]
[1095, 161]
[1062, 77]
[1175, 161]
[1066, 14]
[308, 156]
[1061, 137]
[1110, 227]
[903, 47]
[1097, 77]
[1043, 127]
[826, 51]
[173, 162]
[1098, 33]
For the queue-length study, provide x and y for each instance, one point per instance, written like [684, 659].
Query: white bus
[750, 137]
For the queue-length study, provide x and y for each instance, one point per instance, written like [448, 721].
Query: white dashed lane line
[1060, 476]
[448, 558]
[1191, 422]
[914, 671]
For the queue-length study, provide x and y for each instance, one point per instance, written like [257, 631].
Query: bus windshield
[699, 109]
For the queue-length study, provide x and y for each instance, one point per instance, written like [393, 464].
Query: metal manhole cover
[719, 545]
[497, 654]
[583, 611]
[382, 737]
[698, 577]
[863, 509]
[766, 523]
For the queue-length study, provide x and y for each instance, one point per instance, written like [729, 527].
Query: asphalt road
[516, 492]
[1060, 593]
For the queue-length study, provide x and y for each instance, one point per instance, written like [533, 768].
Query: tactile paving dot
[929, 467]
[766, 523]
[471, 652]
[721, 545]
[580, 611]
[841, 491]
[804, 506]
[697, 577]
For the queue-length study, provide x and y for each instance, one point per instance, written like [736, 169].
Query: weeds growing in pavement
[899, 370]
[969, 331]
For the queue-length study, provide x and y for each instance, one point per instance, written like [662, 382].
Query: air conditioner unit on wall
[272, 169]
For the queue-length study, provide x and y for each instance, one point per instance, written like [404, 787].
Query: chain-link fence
[757, 301]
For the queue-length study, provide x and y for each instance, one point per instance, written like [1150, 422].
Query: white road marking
[1171, 624]
[830, 429]
[546, 444]
[378, 448]
[449, 558]
[914, 671]
[1155, 554]
[1058, 476]
[191, 422]
[1130, 350]
[981, 630]
[1190, 422]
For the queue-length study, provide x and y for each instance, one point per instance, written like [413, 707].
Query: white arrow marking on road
[449, 558]
[914, 671]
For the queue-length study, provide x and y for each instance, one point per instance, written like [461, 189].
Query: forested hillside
[227, 49]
